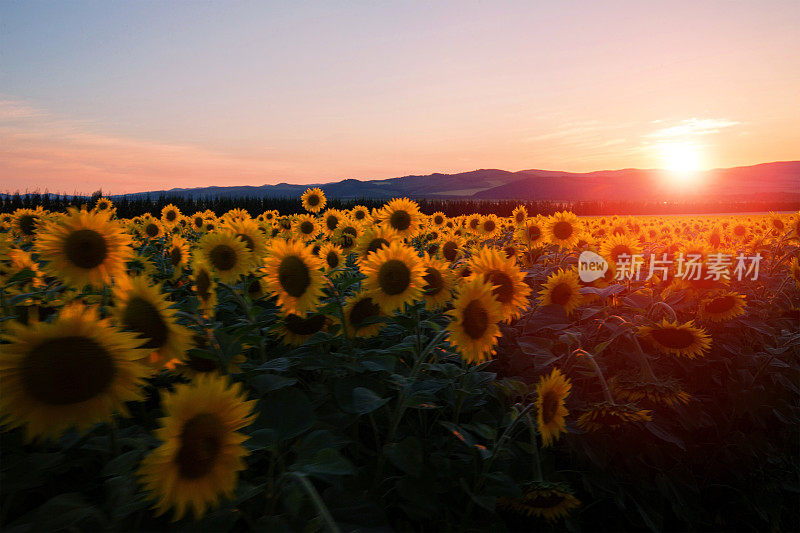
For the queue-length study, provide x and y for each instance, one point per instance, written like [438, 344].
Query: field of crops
[385, 369]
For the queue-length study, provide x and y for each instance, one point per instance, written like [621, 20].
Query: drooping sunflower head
[201, 453]
[612, 416]
[542, 499]
[84, 248]
[474, 326]
[313, 200]
[226, 253]
[721, 306]
[204, 286]
[394, 276]
[551, 393]
[438, 283]
[674, 338]
[562, 288]
[178, 255]
[519, 216]
[295, 330]
[360, 314]
[629, 388]
[73, 372]
[293, 274]
[143, 309]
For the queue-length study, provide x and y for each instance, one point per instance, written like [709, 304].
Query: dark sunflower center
[346, 241]
[673, 337]
[619, 250]
[534, 233]
[306, 227]
[248, 241]
[432, 248]
[739, 231]
[350, 230]
[561, 294]
[85, 248]
[332, 259]
[376, 244]
[394, 277]
[721, 305]
[438, 220]
[360, 215]
[562, 230]
[203, 284]
[778, 224]
[67, 370]
[254, 288]
[475, 319]
[304, 326]
[151, 230]
[434, 282]
[313, 200]
[510, 251]
[198, 222]
[102, 206]
[201, 443]
[520, 217]
[171, 215]
[222, 257]
[466, 272]
[489, 225]
[400, 220]
[549, 406]
[550, 501]
[27, 224]
[473, 224]
[504, 289]
[315, 249]
[331, 222]
[144, 318]
[176, 256]
[362, 310]
[450, 250]
[294, 276]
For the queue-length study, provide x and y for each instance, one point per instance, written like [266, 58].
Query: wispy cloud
[691, 127]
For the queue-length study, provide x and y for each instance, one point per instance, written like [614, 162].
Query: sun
[681, 158]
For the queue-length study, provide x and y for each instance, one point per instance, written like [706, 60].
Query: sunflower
[332, 257]
[563, 229]
[305, 227]
[293, 274]
[489, 226]
[226, 253]
[551, 392]
[562, 288]
[201, 452]
[198, 221]
[474, 329]
[519, 216]
[666, 392]
[359, 308]
[372, 239]
[452, 246]
[346, 236]
[360, 214]
[26, 221]
[249, 231]
[204, 286]
[150, 228]
[394, 276]
[438, 219]
[73, 372]
[178, 255]
[684, 340]
[18, 261]
[313, 200]
[170, 215]
[438, 283]
[542, 499]
[141, 308]
[402, 216]
[612, 416]
[84, 248]
[295, 330]
[722, 306]
[508, 280]
[620, 244]
[794, 271]
[236, 213]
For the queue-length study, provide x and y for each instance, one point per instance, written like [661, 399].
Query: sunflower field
[384, 369]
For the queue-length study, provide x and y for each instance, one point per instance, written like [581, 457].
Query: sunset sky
[134, 96]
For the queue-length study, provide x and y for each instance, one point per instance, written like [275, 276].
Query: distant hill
[780, 180]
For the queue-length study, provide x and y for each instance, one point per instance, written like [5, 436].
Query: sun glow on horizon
[683, 160]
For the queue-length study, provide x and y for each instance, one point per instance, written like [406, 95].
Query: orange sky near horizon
[135, 96]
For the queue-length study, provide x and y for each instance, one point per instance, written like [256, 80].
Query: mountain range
[778, 180]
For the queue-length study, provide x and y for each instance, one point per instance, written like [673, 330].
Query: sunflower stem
[318, 503]
[537, 463]
[598, 373]
[648, 370]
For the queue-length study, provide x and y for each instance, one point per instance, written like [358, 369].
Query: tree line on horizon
[131, 206]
